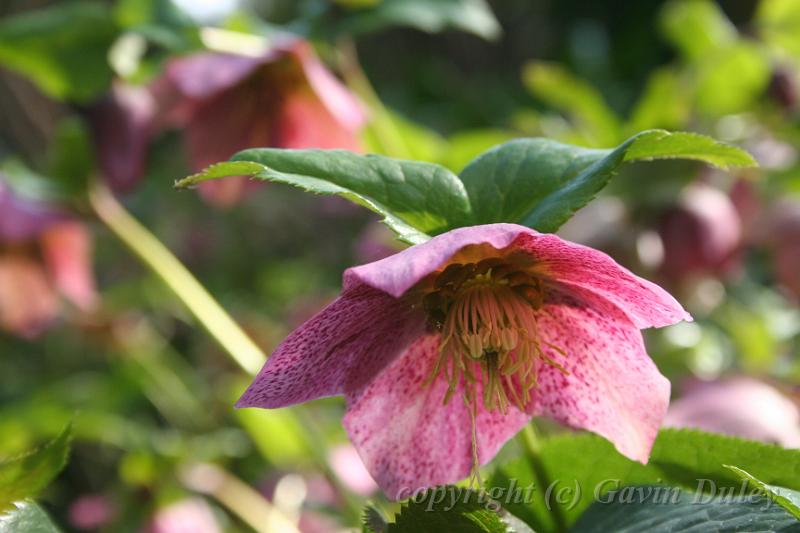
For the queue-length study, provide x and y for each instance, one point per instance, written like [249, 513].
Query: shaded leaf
[26, 517]
[584, 467]
[788, 499]
[24, 476]
[540, 183]
[679, 511]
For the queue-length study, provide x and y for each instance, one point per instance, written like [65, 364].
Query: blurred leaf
[624, 510]
[414, 197]
[472, 16]
[778, 22]
[788, 499]
[665, 103]
[541, 183]
[277, 434]
[24, 476]
[448, 508]
[466, 145]
[389, 133]
[62, 48]
[697, 27]
[161, 21]
[71, 156]
[587, 466]
[26, 517]
[730, 80]
[558, 88]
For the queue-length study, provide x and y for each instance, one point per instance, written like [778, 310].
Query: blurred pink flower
[43, 252]
[702, 234]
[92, 511]
[740, 406]
[191, 515]
[224, 103]
[513, 322]
[783, 238]
[349, 468]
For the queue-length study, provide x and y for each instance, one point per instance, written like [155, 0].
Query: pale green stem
[238, 497]
[178, 278]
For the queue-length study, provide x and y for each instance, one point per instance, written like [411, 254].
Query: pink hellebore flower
[43, 252]
[226, 103]
[445, 350]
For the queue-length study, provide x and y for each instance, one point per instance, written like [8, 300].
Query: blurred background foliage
[92, 335]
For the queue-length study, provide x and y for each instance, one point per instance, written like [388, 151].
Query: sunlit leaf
[696, 27]
[558, 88]
[415, 198]
[788, 499]
[24, 476]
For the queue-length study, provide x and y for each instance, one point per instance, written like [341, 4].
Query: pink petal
[645, 303]
[343, 346]
[67, 251]
[23, 218]
[401, 271]
[27, 301]
[573, 265]
[407, 439]
[341, 103]
[613, 387]
[122, 126]
[740, 406]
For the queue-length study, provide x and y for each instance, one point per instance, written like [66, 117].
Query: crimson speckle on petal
[445, 350]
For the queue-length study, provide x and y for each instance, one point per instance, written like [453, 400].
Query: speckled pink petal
[613, 387]
[570, 264]
[343, 346]
[399, 272]
[407, 439]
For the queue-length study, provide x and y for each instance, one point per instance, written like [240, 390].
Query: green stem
[530, 442]
[177, 277]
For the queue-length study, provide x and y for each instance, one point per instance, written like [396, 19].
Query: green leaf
[417, 199]
[788, 499]
[574, 470]
[697, 27]
[24, 476]
[558, 88]
[665, 103]
[540, 183]
[62, 48]
[449, 508]
[778, 23]
[473, 16]
[658, 508]
[26, 517]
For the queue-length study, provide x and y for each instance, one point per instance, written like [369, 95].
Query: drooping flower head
[224, 103]
[43, 252]
[443, 351]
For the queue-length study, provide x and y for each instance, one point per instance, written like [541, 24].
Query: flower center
[486, 314]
